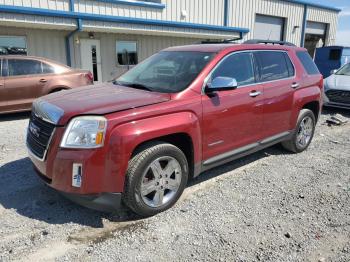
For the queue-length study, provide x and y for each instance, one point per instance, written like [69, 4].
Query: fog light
[77, 175]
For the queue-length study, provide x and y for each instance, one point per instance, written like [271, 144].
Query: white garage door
[268, 27]
[316, 28]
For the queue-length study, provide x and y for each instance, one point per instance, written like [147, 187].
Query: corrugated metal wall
[198, 11]
[146, 46]
[242, 13]
[325, 16]
[45, 43]
[62, 5]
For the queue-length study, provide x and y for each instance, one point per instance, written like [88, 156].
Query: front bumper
[105, 202]
[328, 103]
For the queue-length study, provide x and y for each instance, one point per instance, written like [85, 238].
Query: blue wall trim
[68, 37]
[226, 13]
[302, 2]
[303, 29]
[117, 19]
[135, 3]
[71, 5]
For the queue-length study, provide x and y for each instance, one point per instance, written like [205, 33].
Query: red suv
[182, 111]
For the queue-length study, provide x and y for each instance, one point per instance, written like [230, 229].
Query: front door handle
[254, 93]
[43, 80]
[295, 85]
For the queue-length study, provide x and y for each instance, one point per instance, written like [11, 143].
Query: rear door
[24, 82]
[277, 74]
[233, 119]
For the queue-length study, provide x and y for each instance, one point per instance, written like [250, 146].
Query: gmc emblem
[34, 129]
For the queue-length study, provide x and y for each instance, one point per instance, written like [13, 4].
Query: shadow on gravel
[220, 170]
[14, 116]
[24, 192]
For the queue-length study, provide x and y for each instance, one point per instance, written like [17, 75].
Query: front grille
[39, 135]
[338, 96]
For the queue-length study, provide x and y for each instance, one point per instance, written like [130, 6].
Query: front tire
[155, 179]
[303, 132]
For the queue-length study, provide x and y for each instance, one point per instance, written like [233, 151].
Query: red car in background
[187, 109]
[25, 78]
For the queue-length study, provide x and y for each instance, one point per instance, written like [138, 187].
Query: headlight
[85, 132]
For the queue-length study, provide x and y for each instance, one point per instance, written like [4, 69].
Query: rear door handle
[295, 85]
[254, 93]
[43, 80]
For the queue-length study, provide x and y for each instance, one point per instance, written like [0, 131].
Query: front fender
[124, 138]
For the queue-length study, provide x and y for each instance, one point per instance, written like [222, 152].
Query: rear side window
[17, 67]
[307, 63]
[272, 65]
[48, 69]
[238, 66]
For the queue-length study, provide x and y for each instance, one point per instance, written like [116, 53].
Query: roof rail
[258, 41]
[224, 41]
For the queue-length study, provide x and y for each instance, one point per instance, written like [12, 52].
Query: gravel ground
[270, 206]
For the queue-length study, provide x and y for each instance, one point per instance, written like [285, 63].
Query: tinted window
[289, 65]
[18, 67]
[238, 66]
[13, 45]
[272, 65]
[307, 63]
[334, 54]
[47, 69]
[126, 53]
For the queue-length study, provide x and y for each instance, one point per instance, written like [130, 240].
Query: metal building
[108, 36]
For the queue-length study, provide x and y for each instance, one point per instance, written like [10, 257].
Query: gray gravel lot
[271, 206]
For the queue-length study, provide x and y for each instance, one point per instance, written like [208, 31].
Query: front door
[233, 119]
[90, 54]
[23, 82]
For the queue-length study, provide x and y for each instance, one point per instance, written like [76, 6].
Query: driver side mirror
[334, 71]
[221, 83]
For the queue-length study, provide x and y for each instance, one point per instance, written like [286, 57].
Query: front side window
[307, 63]
[237, 66]
[13, 45]
[345, 70]
[166, 72]
[272, 65]
[126, 53]
[17, 67]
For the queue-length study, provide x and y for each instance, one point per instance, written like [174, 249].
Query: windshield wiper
[132, 85]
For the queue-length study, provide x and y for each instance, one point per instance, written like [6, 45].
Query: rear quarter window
[307, 62]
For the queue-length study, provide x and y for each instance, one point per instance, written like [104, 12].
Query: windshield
[345, 70]
[166, 72]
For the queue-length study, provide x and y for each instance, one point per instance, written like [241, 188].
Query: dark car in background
[25, 78]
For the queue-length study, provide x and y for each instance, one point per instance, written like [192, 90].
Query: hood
[96, 100]
[340, 82]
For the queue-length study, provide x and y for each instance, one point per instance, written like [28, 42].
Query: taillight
[90, 77]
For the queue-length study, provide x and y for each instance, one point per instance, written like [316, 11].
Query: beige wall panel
[44, 43]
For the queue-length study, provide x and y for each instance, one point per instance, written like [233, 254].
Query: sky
[343, 34]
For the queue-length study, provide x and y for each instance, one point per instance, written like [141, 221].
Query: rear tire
[303, 133]
[155, 179]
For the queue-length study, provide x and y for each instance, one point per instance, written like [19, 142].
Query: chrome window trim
[249, 51]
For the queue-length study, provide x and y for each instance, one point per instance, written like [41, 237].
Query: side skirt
[243, 151]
